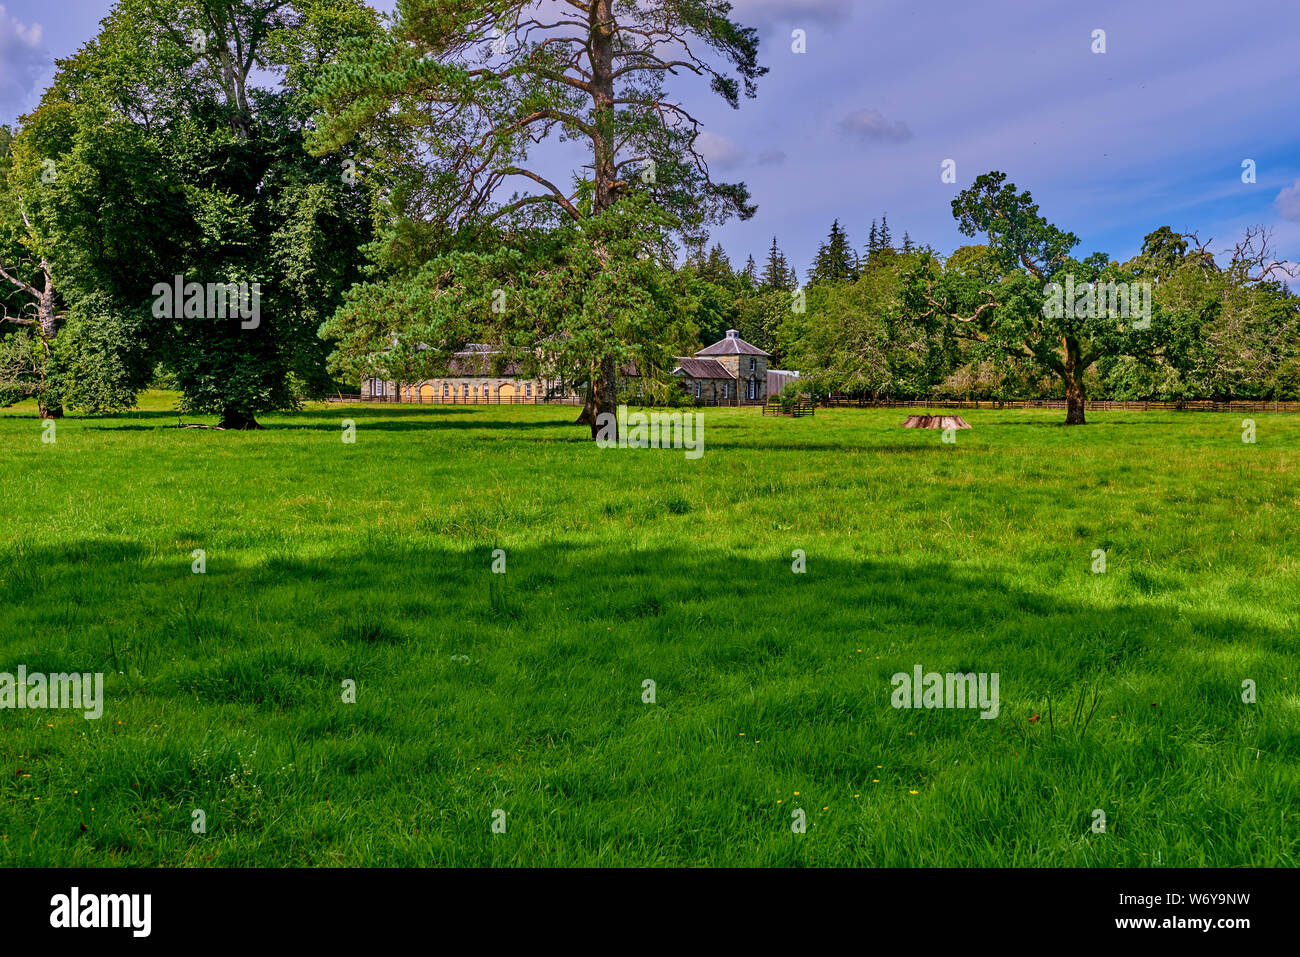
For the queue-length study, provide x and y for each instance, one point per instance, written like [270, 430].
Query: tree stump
[935, 422]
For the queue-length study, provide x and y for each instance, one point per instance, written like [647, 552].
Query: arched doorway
[507, 392]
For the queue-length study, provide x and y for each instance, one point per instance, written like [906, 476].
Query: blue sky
[1152, 132]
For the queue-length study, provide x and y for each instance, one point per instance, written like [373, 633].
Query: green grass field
[523, 692]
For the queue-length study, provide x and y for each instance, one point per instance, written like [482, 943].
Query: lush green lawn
[523, 691]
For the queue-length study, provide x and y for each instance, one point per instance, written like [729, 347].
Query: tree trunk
[1074, 397]
[237, 419]
[588, 414]
[601, 47]
[602, 397]
[1074, 400]
[49, 411]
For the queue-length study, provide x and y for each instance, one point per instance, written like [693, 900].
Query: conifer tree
[777, 274]
[717, 267]
[835, 260]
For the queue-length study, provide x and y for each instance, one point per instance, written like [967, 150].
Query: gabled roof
[732, 345]
[702, 368]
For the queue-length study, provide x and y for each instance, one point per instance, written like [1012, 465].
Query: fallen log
[935, 422]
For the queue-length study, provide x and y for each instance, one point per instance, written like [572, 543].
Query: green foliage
[860, 338]
[171, 164]
[550, 299]
[101, 355]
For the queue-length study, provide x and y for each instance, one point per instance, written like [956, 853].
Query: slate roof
[732, 345]
[702, 368]
[476, 360]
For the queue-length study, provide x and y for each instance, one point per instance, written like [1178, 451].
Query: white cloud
[1288, 202]
[765, 14]
[719, 151]
[872, 125]
[23, 62]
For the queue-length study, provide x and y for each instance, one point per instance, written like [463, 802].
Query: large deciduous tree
[1021, 313]
[451, 104]
[177, 157]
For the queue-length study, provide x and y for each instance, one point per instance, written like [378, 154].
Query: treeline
[758, 302]
[861, 323]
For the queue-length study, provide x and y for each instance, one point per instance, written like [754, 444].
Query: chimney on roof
[733, 334]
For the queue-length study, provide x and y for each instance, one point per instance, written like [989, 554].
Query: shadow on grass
[383, 420]
[93, 604]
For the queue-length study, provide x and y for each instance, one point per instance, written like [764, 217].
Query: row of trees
[374, 181]
[909, 322]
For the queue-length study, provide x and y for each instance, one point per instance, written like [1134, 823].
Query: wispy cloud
[719, 151]
[23, 62]
[767, 14]
[1288, 202]
[873, 125]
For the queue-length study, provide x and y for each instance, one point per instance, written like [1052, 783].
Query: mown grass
[523, 691]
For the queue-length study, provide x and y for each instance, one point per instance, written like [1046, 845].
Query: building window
[445, 389]
[379, 387]
[697, 390]
[753, 364]
[753, 390]
[528, 389]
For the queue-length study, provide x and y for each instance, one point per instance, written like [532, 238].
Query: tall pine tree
[717, 267]
[777, 274]
[835, 260]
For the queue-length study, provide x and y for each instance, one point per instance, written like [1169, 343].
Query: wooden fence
[834, 401]
[508, 400]
[458, 399]
[1197, 405]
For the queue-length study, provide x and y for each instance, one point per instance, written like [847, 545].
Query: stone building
[471, 377]
[729, 371]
